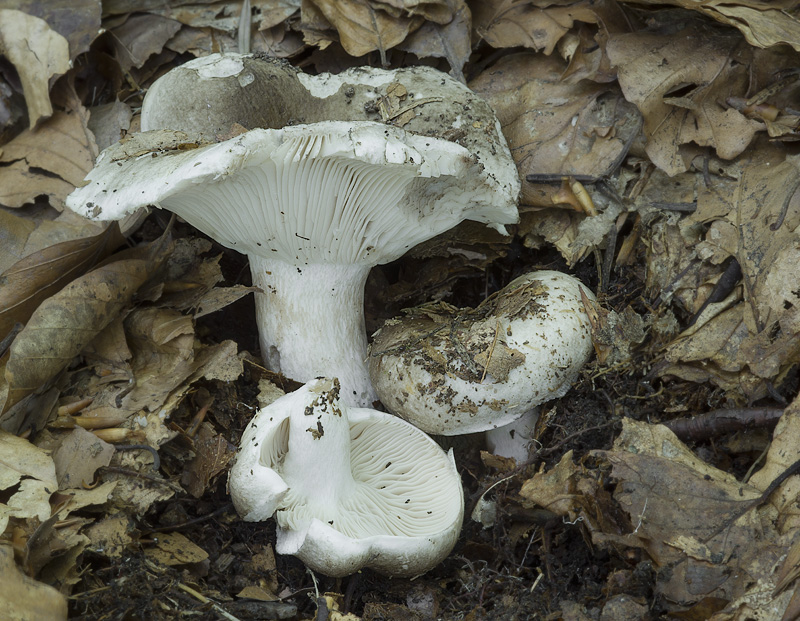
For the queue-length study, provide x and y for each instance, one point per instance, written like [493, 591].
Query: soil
[528, 564]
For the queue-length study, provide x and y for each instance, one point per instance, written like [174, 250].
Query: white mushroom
[349, 487]
[457, 371]
[314, 205]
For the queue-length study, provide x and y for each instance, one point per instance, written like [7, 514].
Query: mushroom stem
[514, 440]
[311, 323]
[317, 464]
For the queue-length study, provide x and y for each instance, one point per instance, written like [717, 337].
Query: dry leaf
[175, 549]
[78, 456]
[27, 479]
[65, 323]
[51, 160]
[141, 36]
[212, 455]
[38, 54]
[22, 598]
[679, 97]
[363, 28]
[505, 23]
[27, 283]
[450, 40]
[555, 128]
[763, 24]
[110, 536]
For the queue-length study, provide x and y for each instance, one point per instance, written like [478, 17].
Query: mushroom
[456, 371]
[356, 169]
[349, 487]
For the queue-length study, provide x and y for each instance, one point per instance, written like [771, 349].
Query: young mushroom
[349, 487]
[455, 371]
[329, 176]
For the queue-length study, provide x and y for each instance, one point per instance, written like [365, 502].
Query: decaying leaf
[65, 323]
[38, 54]
[78, 456]
[23, 598]
[554, 128]
[52, 160]
[27, 476]
[679, 97]
[28, 282]
[176, 549]
[697, 523]
[212, 455]
[763, 24]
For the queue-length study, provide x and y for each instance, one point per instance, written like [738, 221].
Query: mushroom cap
[400, 512]
[452, 373]
[335, 192]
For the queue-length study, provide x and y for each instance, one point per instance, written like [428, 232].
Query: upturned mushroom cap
[349, 487]
[314, 205]
[452, 372]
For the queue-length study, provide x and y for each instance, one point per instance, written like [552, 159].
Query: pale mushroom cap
[518, 349]
[399, 512]
[333, 192]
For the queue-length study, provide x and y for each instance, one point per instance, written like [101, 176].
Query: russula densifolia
[349, 487]
[329, 176]
[457, 371]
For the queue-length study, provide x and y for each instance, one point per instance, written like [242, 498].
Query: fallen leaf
[555, 128]
[78, 456]
[22, 598]
[38, 54]
[450, 40]
[52, 160]
[27, 479]
[65, 323]
[363, 28]
[175, 549]
[141, 36]
[213, 453]
[679, 98]
[111, 535]
[762, 24]
[30, 281]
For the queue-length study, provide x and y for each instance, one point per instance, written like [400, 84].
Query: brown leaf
[141, 36]
[450, 40]
[506, 23]
[679, 97]
[552, 127]
[51, 160]
[363, 28]
[38, 54]
[36, 277]
[78, 456]
[763, 24]
[176, 549]
[24, 598]
[65, 323]
[212, 455]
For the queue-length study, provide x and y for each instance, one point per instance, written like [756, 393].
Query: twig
[203, 599]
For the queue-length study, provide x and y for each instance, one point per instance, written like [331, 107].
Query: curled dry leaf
[22, 597]
[450, 40]
[364, 27]
[680, 97]
[27, 479]
[28, 282]
[65, 323]
[763, 24]
[38, 54]
[554, 128]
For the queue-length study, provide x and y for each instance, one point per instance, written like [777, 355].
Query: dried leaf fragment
[38, 54]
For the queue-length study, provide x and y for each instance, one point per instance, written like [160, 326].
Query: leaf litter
[655, 146]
